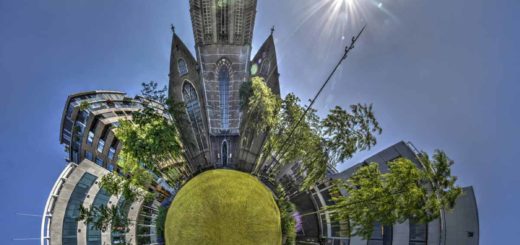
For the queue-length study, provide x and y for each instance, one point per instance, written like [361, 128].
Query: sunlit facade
[457, 226]
[78, 185]
[223, 32]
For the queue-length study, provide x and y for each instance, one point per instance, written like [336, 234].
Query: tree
[346, 133]
[160, 221]
[261, 107]
[102, 217]
[151, 92]
[116, 185]
[287, 209]
[260, 104]
[406, 191]
[300, 135]
[149, 138]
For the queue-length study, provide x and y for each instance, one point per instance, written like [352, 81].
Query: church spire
[223, 21]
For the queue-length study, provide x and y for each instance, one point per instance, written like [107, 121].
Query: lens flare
[330, 21]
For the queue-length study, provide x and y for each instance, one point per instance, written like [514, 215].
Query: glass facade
[93, 234]
[70, 223]
[223, 79]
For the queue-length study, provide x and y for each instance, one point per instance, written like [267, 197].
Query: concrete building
[88, 123]
[209, 84]
[78, 185]
[454, 227]
[87, 132]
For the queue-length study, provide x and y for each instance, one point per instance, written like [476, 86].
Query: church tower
[209, 84]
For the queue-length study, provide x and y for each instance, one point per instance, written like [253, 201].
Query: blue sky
[442, 74]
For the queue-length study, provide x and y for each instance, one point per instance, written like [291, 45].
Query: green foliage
[245, 92]
[262, 105]
[293, 140]
[161, 220]
[149, 139]
[287, 210]
[317, 143]
[84, 105]
[438, 172]
[116, 185]
[405, 192]
[102, 217]
[112, 184]
[346, 133]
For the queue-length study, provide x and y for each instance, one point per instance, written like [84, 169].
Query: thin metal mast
[345, 55]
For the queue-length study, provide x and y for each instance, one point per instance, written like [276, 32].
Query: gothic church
[208, 83]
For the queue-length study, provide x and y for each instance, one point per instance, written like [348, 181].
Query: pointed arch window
[224, 153]
[266, 64]
[222, 20]
[183, 67]
[192, 104]
[223, 80]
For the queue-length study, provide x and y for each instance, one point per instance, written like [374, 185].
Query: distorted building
[78, 185]
[209, 83]
[88, 123]
[457, 226]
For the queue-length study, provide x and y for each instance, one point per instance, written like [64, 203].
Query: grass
[223, 207]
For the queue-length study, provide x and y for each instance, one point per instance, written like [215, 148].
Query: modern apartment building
[78, 185]
[88, 123]
[457, 226]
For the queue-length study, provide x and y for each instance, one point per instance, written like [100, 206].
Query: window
[382, 235]
[118, 237]
[193, 108]
[90, 137]
[223, 79]
[418, 233]
[94, 234]
[224, 153]
[265, 68]
[183, 67]
[75, 156]
[88, 155]
[70, 222]
[110, 167]
[222, 20]
[99, 161]
[101, 145]
[111, 153]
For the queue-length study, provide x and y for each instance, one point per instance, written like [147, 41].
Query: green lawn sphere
[223, 207]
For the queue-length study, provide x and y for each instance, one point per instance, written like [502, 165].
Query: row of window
[93, 234]
[382, 235]
[70, 223]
